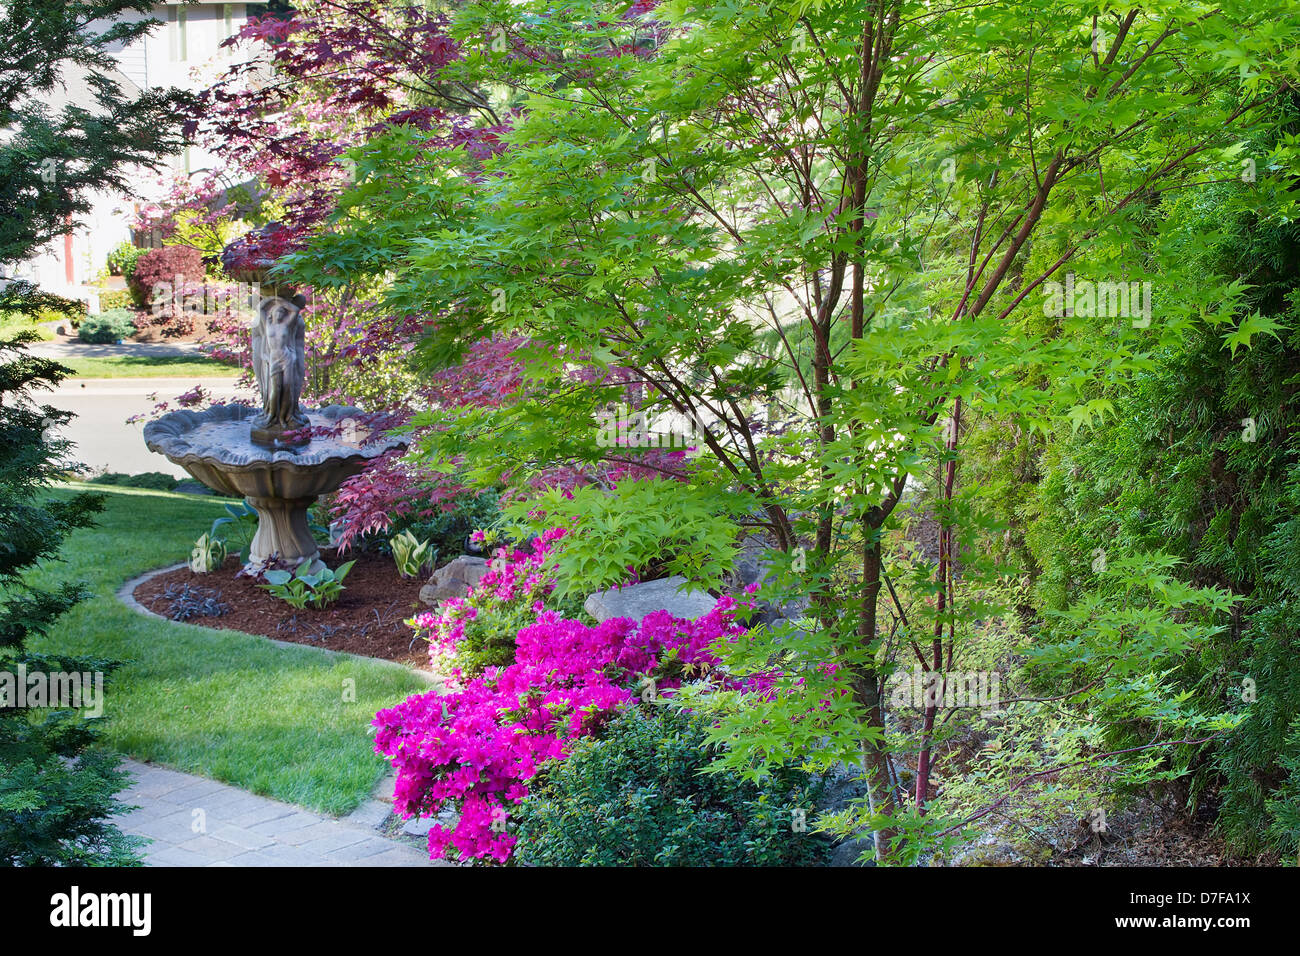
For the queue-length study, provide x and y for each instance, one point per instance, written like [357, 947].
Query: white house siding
[184, 51]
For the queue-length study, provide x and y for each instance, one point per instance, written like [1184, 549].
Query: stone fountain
[268, 455]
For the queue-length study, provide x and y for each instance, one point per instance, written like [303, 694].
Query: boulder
[638, 600]
[453, 579]
[844, 785]
[851, 851]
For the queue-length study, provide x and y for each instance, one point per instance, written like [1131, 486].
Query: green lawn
[10, 324]
[237, 708]
[163, 366]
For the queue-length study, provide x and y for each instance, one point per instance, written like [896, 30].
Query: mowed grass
[234, 707]
[138, 366]
[12, 324]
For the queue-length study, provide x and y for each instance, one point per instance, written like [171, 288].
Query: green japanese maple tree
[824, 233]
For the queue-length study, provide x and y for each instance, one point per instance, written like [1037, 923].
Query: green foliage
[113, 299]
[55, 160]
[448, 530]
[107, 328]
[300, 589]
[239, 523]
[1120, 645]
[195, 699]
[55, 799]
[636, 525]
[11, 324]
[121, 260]
[1200, 460]
[409, 554]
[157, 480]
[826, 275]
[57, 791]
[642, 794]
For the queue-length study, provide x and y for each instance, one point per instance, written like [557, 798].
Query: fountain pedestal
[283, 530]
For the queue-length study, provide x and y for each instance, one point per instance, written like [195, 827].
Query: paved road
[103, 439]
[75, 348]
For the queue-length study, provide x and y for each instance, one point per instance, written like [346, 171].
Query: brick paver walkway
[194, 821]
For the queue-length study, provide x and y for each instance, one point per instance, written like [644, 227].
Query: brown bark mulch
[367, 619]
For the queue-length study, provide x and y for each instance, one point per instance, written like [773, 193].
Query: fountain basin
[214, 446]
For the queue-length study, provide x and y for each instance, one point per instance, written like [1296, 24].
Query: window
[177, 30]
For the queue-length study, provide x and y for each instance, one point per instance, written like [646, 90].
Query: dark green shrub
[1202, 459]
[447, 531]
[107, 328]
[154, 480]
[637, 797]
[57, 790]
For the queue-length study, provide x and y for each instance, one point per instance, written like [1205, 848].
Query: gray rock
[844, 785]
[454, 579]
[638, 600]
[748, 571]
[418, 826]
[372, 813]
[848, 852]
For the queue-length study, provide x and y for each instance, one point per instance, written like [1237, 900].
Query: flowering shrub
[478, 748]
[161, 267]
[478, 630]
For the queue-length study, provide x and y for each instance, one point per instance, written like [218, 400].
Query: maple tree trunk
[945, 602]
[866, 688]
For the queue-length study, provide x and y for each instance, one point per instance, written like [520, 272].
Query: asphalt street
[102, 438]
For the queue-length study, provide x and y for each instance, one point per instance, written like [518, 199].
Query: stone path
[194, 821]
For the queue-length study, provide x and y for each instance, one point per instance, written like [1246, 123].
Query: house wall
[183, 51]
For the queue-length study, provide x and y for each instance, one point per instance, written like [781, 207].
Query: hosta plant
[300, 589]
[409, 553]
[240, 519]
[209, 554]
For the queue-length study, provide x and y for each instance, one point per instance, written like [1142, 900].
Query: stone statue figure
[279, 364]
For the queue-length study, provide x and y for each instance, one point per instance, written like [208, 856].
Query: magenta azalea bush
[468, 634]
[476, 749]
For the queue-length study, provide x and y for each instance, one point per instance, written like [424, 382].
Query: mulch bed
[366, 619]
